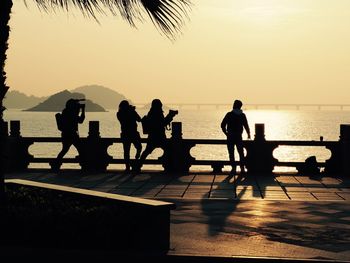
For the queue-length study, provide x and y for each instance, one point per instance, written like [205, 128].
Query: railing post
[176, 130]
[334, 165]
[17, 157]
[259, 132]
[260, 152]
[15, 128]
[177, 157]
[4, 129]
[94, 129]
[345, 147]
[3, 142]
[94, 156]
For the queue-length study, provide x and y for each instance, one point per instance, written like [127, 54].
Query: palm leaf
[167, 15]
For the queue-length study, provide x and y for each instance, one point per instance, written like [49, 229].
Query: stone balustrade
[177, 156]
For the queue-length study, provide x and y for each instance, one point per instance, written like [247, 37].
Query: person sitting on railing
[154, 124]
[67, 123]
[128, 118]
[232, 125]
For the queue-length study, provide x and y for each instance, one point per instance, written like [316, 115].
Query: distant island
[57, 102]
[106, 97]
[18, 100]
[102, 96]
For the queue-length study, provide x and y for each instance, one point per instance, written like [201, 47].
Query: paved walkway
[282, 216]
[199, 186]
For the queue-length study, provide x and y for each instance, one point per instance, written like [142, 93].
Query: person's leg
[240, 150]
[137, 144]
[126, 148]
[77, 144]
[149, 149]
[66, 144]
[231, 153]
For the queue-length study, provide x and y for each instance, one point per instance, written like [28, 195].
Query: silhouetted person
[310, 167]
[156, 125]
[128, 118]
[68, 125]
[232, 125]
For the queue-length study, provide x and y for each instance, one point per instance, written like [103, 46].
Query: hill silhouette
[18, 100]
[106, 97]
[57, 102]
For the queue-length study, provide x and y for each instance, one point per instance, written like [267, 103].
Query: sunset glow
[260, 51]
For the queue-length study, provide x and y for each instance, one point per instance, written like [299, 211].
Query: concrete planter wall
[49, 216]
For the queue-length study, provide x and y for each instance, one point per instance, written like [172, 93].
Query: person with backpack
[154, 124]
[128, 118]
[67, 123]
[232, 125]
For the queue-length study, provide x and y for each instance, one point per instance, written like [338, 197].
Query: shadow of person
[305, 224]
[221, 205]
[153, 184]
[261, 184]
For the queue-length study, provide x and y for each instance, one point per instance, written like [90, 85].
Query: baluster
[345, 147]
[5, 129]
[15, 128]
[95, 157]
[16, 153]
[177, 157]
[94, 129]
[259, 132]
[259, 157]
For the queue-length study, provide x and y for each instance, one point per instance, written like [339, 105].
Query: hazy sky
[261, 51]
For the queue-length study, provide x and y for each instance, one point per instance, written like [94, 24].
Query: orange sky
[260, 51]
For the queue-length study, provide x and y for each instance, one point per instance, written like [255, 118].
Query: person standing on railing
[67, 123]
[128, 118]
[154, 124]
[232, 125]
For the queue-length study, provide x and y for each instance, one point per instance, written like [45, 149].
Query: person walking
[128, 118]
[154, 124]
[232, 125]
[67, 123]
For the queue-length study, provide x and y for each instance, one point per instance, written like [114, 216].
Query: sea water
[200, 124]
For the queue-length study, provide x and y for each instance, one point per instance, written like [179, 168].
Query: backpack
[145, 124]
[59, 123]
[310, 166]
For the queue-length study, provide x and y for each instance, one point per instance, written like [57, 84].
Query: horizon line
[247, 104]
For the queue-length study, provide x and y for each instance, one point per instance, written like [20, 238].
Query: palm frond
[167, 15]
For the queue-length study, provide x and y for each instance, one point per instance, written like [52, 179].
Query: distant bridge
[256, 106]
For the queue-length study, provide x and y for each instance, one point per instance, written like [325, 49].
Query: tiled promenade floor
[282, 216]
[202, 186]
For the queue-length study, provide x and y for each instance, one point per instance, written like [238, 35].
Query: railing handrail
[197, 141]
[114, 160]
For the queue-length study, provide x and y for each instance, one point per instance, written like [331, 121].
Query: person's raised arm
[168, 119]
[170, 116]
[138, 118]
[224, 124]
[82, 115]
